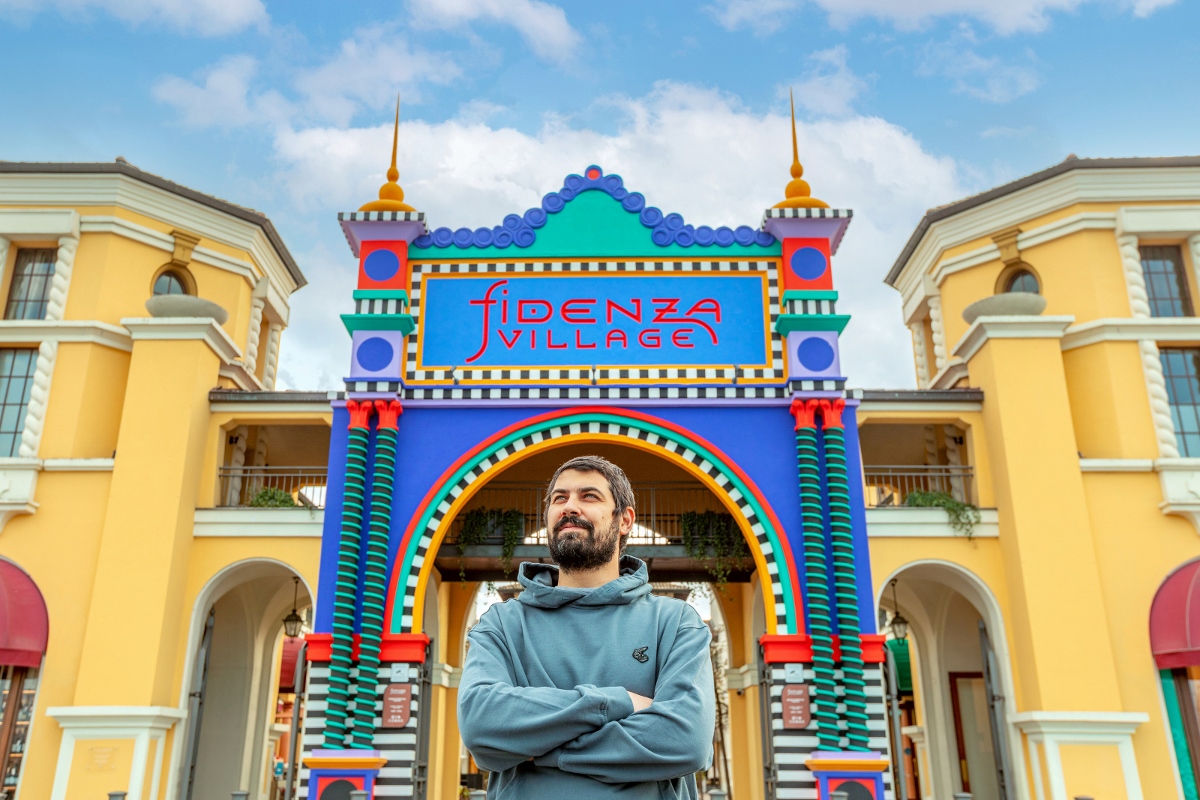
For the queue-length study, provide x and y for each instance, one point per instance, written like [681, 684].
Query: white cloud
[543, 26]
[990, 79]
[759, 16]
[205, 17]
[224, 99]
[686, 149]
[223, 95]
[367, 72]
[829, 87]
[1005, 16]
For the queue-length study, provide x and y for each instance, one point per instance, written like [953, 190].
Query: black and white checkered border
[487, 466]
[398, 745]
[381, 216]
[569, 392]
[810, 307]
[378, 305]
[816, 386]
[775, 372]
[792, 748]
[807, 213]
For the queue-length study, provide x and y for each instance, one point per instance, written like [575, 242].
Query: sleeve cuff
[619, 704]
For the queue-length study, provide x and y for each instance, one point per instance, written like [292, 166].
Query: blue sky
[903, 105]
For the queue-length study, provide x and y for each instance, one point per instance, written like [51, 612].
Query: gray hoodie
[543, 706]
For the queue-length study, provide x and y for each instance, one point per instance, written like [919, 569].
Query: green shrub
[963, 516]
[270, 497]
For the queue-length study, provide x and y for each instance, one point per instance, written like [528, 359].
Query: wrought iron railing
[269, 486]
[659, 507]
[888, 486]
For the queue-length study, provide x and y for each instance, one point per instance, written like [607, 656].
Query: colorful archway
[762, 529]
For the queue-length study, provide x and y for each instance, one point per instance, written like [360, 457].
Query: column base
[858, 774]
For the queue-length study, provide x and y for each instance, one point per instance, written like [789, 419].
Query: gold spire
[798, 193]
[391, 196]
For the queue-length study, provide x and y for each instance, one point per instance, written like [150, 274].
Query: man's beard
[583, 552]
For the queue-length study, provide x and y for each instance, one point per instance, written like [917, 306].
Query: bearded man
[588, 685]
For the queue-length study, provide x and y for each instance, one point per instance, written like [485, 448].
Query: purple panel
[813, 354]
[377, 355]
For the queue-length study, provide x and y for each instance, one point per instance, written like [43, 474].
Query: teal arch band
[578, 423]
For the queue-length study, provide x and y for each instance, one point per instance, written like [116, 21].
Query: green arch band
[783, 570]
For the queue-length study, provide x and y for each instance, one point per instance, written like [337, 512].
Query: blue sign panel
[603, 320]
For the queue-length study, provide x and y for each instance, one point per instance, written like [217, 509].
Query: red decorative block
[796, 648]
[383, 265]
[408, 647]
[806, 265]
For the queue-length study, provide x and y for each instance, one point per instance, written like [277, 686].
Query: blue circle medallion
[382, 265]
[809, 263]
[375, 353]
[815, 354]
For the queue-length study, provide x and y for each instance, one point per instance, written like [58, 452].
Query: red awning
[1175, 619]
[24, 624]
[287, 665]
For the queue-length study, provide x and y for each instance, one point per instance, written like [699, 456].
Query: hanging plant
[272, 497]
[706, 532]
[963, 516]
[481, 525]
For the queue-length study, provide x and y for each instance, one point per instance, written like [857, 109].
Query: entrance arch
[759, 525]
[943, 603]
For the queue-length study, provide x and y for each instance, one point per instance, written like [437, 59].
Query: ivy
[706, 532]
[272, 497]
[963, 516]
[481, 525]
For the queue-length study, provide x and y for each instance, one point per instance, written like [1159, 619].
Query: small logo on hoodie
[640, 654]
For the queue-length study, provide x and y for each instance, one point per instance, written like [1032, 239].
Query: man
[587, 685]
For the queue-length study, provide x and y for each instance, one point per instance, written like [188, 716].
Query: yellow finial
[798, 192]
[391, 196]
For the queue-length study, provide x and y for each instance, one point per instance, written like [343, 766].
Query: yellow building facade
[1025, 505]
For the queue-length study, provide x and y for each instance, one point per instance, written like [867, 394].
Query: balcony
[272, 487]
[891, 486]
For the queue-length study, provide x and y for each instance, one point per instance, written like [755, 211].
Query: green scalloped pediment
[593, 226]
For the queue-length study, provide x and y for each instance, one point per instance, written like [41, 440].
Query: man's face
[580, 526]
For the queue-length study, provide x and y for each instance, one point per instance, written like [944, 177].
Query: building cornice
[203, 329]
[122, 185]
[1080, 723]
[1126, 329]
[17, 224]
[1071, 181]
[984, 329]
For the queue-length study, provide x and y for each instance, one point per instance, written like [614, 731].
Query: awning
[287, 664]
[24, 624]
[1175, 619]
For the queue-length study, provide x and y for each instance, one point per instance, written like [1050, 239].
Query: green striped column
[844, 576]
[820, 630]
[375, 578]
[346, 589]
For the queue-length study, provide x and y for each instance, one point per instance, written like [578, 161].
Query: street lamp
[899, 623]
[293, 621]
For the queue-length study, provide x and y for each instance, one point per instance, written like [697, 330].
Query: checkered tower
[840, 656]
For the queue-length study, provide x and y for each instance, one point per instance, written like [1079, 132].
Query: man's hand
[639, 702]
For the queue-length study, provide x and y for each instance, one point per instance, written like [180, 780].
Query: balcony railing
[889, 486]
[659, 508]
[269, 486]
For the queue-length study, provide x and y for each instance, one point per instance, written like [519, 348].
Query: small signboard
[397, 705]
[796, 715]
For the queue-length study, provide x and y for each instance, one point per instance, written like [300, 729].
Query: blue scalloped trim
[666, 229]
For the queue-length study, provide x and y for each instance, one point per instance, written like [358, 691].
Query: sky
[902, 105]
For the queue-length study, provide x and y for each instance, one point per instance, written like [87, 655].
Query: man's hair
[618, 484]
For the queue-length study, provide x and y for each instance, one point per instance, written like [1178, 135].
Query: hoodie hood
[541, 589]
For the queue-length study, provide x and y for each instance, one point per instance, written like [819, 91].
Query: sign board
[397, 705]
[796, 715]
[563, 319]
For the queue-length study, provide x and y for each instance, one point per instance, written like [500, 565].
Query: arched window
[169, 283]
[1022, 281]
